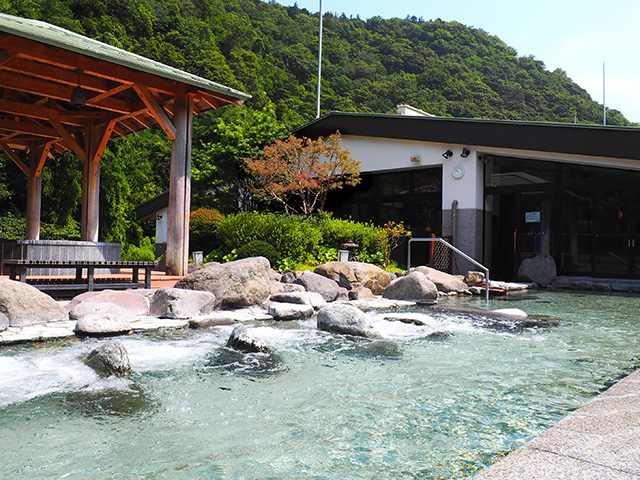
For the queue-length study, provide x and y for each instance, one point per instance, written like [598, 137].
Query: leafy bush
[15, 228]
[291, 235]
[143, 253]
[259, 248]
[203, 224]
[336, 232]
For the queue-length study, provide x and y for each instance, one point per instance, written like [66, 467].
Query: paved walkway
[600, 441]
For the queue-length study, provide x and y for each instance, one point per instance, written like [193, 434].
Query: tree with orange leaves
[299, 172]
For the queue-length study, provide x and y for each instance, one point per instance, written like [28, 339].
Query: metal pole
[604, 105]
[319, 62]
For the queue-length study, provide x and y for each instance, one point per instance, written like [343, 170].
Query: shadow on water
[361, 347]
[260, 364]
[497, 320]
[111, 402]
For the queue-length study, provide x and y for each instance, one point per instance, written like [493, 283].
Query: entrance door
[616, 230]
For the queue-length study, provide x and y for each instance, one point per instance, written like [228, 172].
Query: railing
[455, 250]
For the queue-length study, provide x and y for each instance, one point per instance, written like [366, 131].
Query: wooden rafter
[69, 139]
[12, 155]
[36, 168]
[156, 110]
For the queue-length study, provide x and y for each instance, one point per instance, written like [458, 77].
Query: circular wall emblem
[458, 171]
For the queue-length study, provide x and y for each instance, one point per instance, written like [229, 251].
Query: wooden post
[34, 202]
[37, 157]
[180, 185]
[90, 201]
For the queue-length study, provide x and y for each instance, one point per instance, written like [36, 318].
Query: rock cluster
[202, 297]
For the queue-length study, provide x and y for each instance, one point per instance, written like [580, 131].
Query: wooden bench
[18, 271]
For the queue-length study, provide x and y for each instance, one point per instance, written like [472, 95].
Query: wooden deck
[158, 278]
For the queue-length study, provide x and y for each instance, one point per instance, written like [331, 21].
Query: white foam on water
[425, 325]
[35, 374]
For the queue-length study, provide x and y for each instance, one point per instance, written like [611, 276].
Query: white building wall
[162, 225]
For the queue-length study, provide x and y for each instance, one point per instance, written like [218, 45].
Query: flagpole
[604, 105]
[319, 62]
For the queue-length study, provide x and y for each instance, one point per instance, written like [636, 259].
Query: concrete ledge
[600, 440]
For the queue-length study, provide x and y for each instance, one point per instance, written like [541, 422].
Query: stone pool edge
[600, 440]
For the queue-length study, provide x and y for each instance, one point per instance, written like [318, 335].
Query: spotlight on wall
[447, 154]
[465, 152]
[415, 159]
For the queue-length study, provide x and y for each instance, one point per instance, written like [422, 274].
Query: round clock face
[458, 171]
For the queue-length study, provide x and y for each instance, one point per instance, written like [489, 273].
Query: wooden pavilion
[60, 91]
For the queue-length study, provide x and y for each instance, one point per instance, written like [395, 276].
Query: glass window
[504, 172]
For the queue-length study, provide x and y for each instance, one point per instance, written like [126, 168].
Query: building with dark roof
[504, 190]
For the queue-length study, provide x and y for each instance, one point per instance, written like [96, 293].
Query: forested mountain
[270, 52]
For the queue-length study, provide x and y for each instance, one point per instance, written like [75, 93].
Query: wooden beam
[38, 165]
[209, 100]
[40, 112]
[111, 92]
[5, 56]
[28, 128]
[91, 66]
[156, 110]
[49, 89]
[57, 75]
[70, 141]
[12, 155]
[99, 137]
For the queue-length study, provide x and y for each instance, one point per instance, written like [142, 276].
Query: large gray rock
[110, 358]
[84, 309]
[25, 305]
[344, 318]
[279, 287]
[180, 303]
[313, 282]
[102, 325]
[414, 287]
[4, 322]
[137, 304]
[242, 283]
[444, 282]
[214, 319]
[312, 299]
[290, 311]
[540, 269]
[352, 275]
[242, 341]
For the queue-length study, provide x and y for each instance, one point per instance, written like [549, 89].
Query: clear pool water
[436, 401]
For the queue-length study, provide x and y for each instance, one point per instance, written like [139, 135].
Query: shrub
[291, 235]
[15, 228]
[336, 232]
[203, 224]
[143, 253]
[259, 248]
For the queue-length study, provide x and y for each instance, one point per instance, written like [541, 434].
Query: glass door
[534, 233]
[612, 239]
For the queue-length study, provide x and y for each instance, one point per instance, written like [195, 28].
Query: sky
[578, 36]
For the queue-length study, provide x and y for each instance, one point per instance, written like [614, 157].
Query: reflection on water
[439, 395]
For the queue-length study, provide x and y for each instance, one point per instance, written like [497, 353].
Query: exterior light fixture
[447, 154]
[415, 159]
[465, 152]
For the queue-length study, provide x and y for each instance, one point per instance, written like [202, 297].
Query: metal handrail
[456, 250]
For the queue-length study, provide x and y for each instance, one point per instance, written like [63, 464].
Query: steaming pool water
[436, 401]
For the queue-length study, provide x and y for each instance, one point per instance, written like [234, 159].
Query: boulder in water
[180, 303]
[242, 341]
[540, 269]
[413, 287]
[344, 318]
[110, 358]
[352, 275]
[242, 283]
